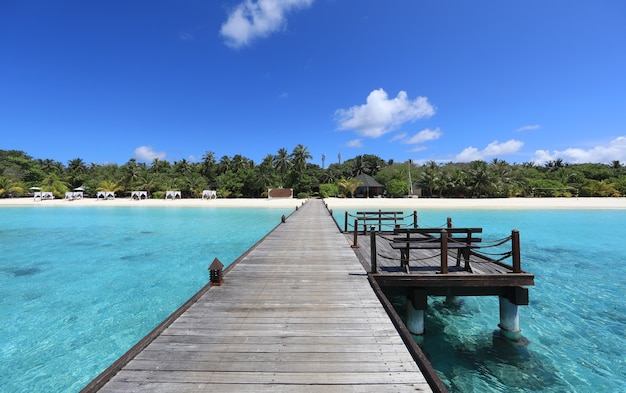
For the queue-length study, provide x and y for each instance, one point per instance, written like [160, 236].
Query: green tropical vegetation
[240, 177]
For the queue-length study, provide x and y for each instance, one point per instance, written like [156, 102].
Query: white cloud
[186, 36]
[354, 143]
[147, 154]
[380, 115]
[494, 149]
[423, 136]
[401, 136]
[614, 150]
[255, 19]
[418, 148]
[528, 128]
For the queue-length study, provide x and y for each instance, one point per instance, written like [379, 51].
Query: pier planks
[295, 314]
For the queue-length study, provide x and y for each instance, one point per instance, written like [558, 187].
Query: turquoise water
[575, 325]
[80, 286]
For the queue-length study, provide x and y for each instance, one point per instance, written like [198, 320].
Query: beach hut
[78, 193]
[36, 192]
[74, 195]
[47, 195]
[105, 195]
[172, 195]
[209, 194]
[138, 195]
[369, 187]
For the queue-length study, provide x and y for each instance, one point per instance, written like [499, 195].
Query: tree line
[240, 177]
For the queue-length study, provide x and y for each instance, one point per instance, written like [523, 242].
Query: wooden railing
[464, 240]
[382, 220]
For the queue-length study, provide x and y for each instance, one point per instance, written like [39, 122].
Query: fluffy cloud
[423, 136]
[494, 149]
[528, 128]
[380, 115]
[614, 150]
[147, 154]
[354, 143]
[253, 19]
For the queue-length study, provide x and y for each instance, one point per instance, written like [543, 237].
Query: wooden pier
[296, 313]
[418, 262]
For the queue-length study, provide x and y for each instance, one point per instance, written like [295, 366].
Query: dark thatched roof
[368, 181]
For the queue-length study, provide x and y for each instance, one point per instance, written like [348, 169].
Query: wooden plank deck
[425, 266]
[295, 314]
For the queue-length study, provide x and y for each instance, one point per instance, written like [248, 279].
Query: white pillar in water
[414, 319]
[509, 319]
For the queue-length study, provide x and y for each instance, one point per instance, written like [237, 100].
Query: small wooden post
[215, 272]
[414, 219]
[356, 233]
[444, 251]
[374, 266]
[380, 220]
[449, 222]
[515, 250]
[283, 219]
[345, 223]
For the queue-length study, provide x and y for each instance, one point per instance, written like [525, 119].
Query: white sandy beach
[344, 203]
[482, 203]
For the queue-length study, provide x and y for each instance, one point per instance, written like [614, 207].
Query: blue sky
[107, 81]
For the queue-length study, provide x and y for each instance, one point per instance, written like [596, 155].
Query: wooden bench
[377, 219]
[460, 239]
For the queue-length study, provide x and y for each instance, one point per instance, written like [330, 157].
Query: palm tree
[49, 166]
[480, 181]
[54, 184]
[132, 173]
[159, 166]
[225, 164]
[503, 173]
[299, 155]
[10, 186]
[209, 166]
[76, 170]
[430, 176]
[282, 163]
[182, 167]
[107, 185]
[240, 162]
[349, 185]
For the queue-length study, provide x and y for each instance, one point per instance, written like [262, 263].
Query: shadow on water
[471, 360]
[21, 272]
[133, 257]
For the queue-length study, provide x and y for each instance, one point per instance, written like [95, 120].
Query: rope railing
[495, 243]
[411, 259]
[494, 256]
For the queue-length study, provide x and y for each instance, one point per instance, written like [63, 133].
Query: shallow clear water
[80, 286]
[576, 321]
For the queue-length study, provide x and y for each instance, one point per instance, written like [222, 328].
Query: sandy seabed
[343, 203]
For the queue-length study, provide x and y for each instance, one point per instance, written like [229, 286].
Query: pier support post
[355, 240]
[509, 320]
[416, 304]
[373, 264]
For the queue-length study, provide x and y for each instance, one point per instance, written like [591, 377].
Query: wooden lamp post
[216, 275]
